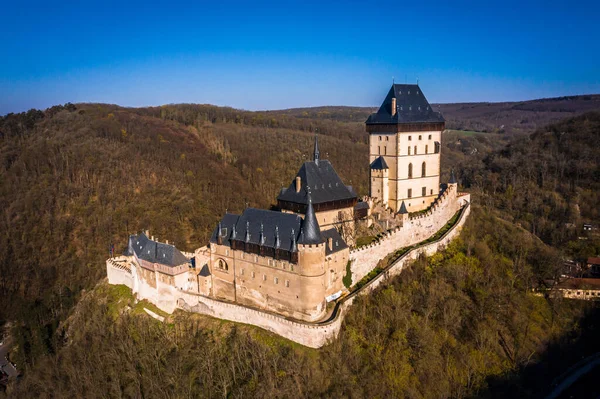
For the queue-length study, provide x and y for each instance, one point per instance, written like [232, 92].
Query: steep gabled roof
[155, 252]
[324, 183]
[411, 107]
[379, 164]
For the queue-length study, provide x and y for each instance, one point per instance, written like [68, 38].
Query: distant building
[404, 149]
[593, 265]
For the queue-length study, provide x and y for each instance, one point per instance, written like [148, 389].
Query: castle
[275, 267]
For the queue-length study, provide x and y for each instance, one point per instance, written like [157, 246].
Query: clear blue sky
[272, 55]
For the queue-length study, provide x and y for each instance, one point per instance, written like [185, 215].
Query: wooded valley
[76, 178]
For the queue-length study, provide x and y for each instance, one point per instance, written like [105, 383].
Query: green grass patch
[347, 279]
[365, 240]
[139, 309]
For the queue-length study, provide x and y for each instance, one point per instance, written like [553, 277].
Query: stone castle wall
[313, 335]
[414, 230]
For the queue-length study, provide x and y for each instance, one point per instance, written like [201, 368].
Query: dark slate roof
[338, 241]
[452, 177]
[273, 223]
[362, 205]
[324, 183]
[250, 222]
[379, 164]
[403, 209]
[411, 108]
[310, 233]
[155, 252]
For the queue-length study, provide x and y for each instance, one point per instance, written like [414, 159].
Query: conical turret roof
[311, 233]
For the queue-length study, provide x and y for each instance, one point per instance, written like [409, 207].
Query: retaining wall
[415, 229]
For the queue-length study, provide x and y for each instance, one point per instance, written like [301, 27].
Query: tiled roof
[263, 227]
[411, 107]
[249, 225]
[324, 183]
[379, 164]
[337, 241]
[361, 205]
[155, 252]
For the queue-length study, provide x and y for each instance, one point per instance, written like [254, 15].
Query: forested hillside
[75, 179]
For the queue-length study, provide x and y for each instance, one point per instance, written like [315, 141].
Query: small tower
[403, 213]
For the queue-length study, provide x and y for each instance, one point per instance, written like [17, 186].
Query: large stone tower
[404, 149]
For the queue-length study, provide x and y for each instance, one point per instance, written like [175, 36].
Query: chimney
[393, 110]
[298, 184]
[167, 242]
[152, 238]
[330, 243]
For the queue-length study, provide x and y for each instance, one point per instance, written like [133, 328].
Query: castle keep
[278, 269]
[404, 149]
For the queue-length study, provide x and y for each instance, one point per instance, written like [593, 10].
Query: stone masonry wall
[415, 230]
[313, 335]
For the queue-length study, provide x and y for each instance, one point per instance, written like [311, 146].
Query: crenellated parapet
[413, 229]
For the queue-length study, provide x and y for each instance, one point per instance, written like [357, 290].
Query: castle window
[255, 259]
[264, 277]
[426, 148]
[423, 169]
[378, 150]
[409, 193]
[409, 138]
[410, 170]
[415, 150]
[408, 150]
[384, 150]
[292, 268]
[379, 138]
[287, 283]
[276, 280]
[437, 147]
[420, 137]
[431, 192]
[387, 138]
[221, 264]
[424, 191]
[253, 275]
[430, 137]
[242, 272]
[226, 252]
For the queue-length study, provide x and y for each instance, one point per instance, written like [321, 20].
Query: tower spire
[316, 153]
[311, 233]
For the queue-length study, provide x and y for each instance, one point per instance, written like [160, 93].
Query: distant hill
[506, 117]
